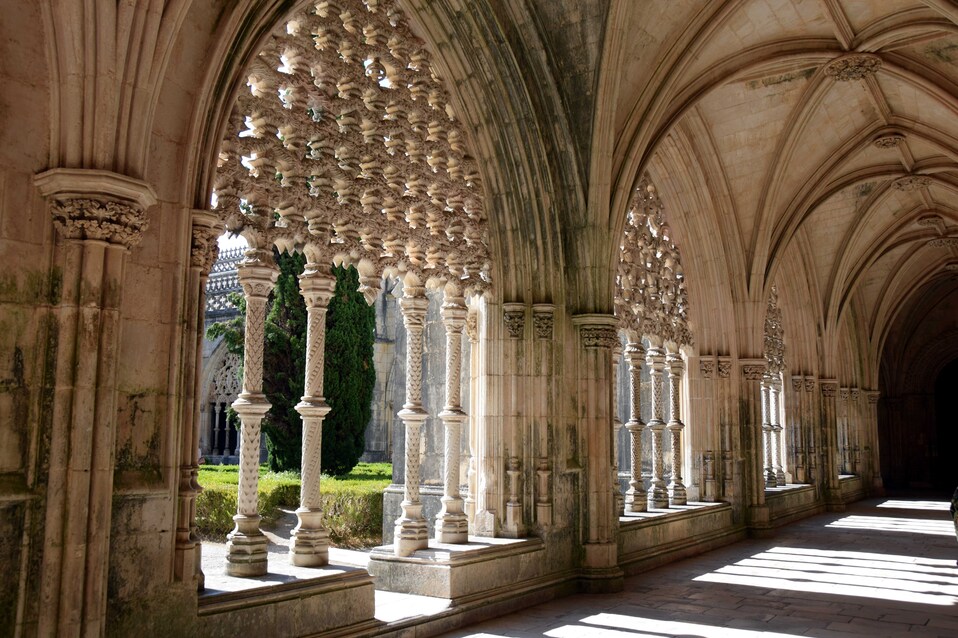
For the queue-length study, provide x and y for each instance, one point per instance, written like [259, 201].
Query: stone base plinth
[462, 573]
[289, 601]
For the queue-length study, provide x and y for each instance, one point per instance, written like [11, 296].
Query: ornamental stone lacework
[652, 303]
[345, 147]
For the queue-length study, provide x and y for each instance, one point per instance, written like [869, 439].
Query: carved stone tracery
[345, 138]
[854, 66]
[651, 296]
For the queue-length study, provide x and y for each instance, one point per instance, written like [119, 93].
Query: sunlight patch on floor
[869, 575]
[890, 524]
[935, 506]
[610, 626]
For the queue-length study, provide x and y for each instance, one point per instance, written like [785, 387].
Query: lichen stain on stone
[941, 52]
[864, 190]
[38, 287]
[132, 454]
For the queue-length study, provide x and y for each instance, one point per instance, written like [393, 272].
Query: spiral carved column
[411, 528]
[658, 495]
[774, 392]
[768, 470]
[451, 523]
[635, 497]
[310, 539]
[246, 544]
[677, 494]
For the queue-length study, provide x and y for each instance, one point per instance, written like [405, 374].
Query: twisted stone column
[635, 496]
[658, 495]
[246, 544]
[769, 471]
[411, 528]
[310, 539]
[616, 430]
[776, 432]
[451, 523]
[677, 494]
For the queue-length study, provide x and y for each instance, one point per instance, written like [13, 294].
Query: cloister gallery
[739, 216]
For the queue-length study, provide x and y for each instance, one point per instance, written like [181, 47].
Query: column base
[452, 528]
[635, 501]
[411, 535]
[780, 478]
[246, 548]
[513, 527]
[601, 573]
[677, 494]
[309, 546]
[658, 497]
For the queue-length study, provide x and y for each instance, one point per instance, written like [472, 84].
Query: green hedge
[352, 506]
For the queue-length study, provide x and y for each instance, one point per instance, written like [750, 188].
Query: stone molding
[854, 66]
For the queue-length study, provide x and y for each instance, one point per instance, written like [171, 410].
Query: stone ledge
[460, 572]
[650, 539]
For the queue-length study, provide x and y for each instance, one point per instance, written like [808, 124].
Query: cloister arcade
[696, 264]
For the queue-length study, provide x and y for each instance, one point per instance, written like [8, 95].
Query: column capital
[872, 396]
[707, 367]
[724, 366]
[843, 394]
[204, 247]
[543, 320]
[514, 316]
[809, 384]
[317, 284]
[257, 273]
[829, 387]
[797, 383]
[597, 330]
[753, 369]
[92, 204]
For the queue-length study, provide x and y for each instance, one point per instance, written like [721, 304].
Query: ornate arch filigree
[346, 145]
[774, 350]
[651, 296]
[226, 384]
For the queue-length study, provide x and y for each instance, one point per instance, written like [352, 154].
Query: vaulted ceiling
[826, 128]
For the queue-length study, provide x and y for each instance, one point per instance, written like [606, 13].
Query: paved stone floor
[885, 567]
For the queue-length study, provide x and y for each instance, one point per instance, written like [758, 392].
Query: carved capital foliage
[872, 396]
[929, 220]
[911, 182]
[707, 368]
[724, 368]
[829, 388]
[951, 266]
[204, 248]
[472, 327]
[542, 320]
[514, 316]
[753, 371]
[854, 66]
[797, 383]
[854, 394]
[809, 384]
[599, 336]
[843, 394]
[113, 222]
[774, 334]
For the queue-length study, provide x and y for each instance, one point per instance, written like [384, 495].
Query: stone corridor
[884, 567]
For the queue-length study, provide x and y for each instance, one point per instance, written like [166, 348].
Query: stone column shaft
[451, 523]
[769, 470]
[831, 453]
[309, 546]
[411, 528]
[635, 497]
[658, 495]
[776, 432]
[677, 493]
[616, 430]
[246, 544]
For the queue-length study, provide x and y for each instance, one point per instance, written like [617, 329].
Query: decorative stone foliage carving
[753, 372]
[346, 139]
[542, 320]
[892, 140]
[651, 297]
[911, 182]
[929, 220]
[514, 316]
[707, 368]
[226, 381]
[113, 222]
[774, 335]
[854, 66]
[599, 336]
[873, 396]
[797, 383]
[952, 266]
[944, 242]
[829, 388]
[724, 368]
[809, 384]
[204, 248]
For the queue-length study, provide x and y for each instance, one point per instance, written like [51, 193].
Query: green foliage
[350, 376]
[352, 505]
